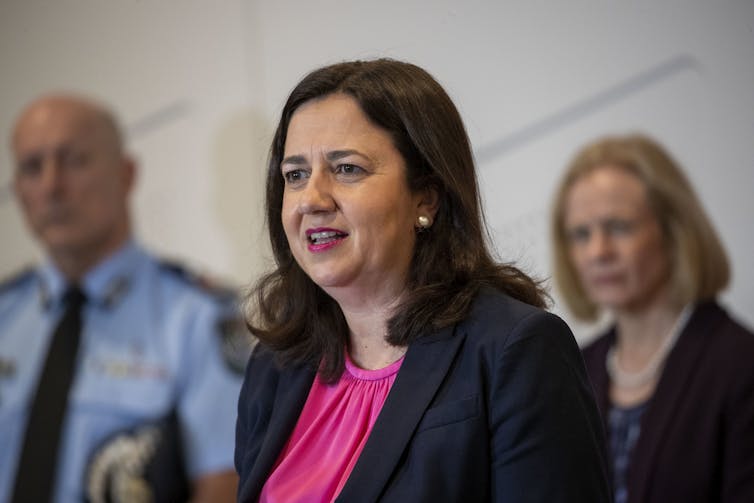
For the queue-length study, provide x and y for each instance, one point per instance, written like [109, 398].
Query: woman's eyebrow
[339, 154]
[294, 159]
[331, 156]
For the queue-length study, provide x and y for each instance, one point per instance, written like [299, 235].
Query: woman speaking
[398, 361]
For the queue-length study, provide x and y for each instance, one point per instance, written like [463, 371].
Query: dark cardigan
[697, 433]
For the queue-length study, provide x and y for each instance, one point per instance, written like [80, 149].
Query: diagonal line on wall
[158, 118]
[564, 117]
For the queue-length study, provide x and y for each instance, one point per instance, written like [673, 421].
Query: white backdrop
[199, 86]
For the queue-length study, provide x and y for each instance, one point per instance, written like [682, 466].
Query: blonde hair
[699, 262]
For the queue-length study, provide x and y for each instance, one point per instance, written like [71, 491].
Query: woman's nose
[317, 195]
[600, 245]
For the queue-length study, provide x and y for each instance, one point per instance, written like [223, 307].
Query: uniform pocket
[124, 386]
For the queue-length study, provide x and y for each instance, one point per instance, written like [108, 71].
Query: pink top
[329, 436]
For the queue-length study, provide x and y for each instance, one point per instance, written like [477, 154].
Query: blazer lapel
[659, 415]
[426, 363]
[290, 396]
[598, 377]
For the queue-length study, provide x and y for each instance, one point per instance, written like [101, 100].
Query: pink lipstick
[323, 238]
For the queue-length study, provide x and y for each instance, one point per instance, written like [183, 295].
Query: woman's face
[347, 210]
[615, 241]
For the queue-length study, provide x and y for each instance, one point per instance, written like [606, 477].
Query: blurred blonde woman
[674, 375]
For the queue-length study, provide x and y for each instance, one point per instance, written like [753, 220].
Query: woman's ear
[428, 202]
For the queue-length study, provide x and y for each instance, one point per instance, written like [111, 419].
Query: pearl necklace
[633, 380]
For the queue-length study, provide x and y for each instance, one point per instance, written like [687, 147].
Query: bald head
[95, 117]
[72, 179]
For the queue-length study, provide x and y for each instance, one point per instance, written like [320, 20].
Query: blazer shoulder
[496, 316]
[262, 365]
[732, 329]
[723, 338]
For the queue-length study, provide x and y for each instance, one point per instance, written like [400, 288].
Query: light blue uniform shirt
[150, 343]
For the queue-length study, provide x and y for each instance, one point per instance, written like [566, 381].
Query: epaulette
[201, 281]
[236, 342]
[16, 279]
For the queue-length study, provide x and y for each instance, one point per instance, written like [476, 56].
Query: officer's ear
[128, 173]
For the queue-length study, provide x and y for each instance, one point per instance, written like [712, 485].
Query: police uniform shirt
[150, 344]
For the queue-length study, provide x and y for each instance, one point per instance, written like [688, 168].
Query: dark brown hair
[292, 315]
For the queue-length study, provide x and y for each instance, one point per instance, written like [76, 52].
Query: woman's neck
[641, 333]
[373, 354]
[367, 339]
[644, 339]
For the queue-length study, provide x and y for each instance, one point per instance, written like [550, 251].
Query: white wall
[201, 85]
[180, 74]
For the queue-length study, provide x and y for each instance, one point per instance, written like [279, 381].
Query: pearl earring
[424, 222]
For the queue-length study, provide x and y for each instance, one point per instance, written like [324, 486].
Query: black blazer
[497, 408]
[697, 434]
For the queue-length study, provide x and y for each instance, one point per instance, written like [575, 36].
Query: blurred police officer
[150, 410]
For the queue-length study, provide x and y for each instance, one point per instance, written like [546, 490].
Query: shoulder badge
[236, 342]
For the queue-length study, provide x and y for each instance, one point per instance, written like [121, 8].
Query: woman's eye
[293, 176]
[578, 234]
[348, 169]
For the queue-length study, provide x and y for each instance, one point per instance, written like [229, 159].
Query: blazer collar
[426, 363]
[290, 396]
[599, 379]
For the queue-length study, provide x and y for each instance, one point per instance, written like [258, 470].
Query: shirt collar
[104, 284]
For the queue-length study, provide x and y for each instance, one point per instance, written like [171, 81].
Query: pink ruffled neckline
[372, 375]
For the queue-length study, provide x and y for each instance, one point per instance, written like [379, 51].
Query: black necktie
[35, 477]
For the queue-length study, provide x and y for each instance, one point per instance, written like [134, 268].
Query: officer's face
[71, 178]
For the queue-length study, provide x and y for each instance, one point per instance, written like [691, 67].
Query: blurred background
[199, 86]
